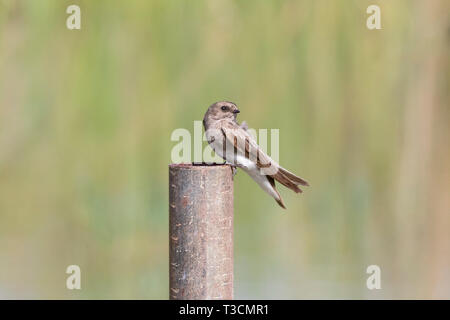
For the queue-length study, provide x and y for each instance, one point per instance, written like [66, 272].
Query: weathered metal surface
[200, 231]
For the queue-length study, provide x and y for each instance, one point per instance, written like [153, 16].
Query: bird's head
[222, 110]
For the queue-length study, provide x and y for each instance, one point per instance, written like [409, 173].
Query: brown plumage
[233, 143]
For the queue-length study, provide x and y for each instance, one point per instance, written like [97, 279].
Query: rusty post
[200, 232]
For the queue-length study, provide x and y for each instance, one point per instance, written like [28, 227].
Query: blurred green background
[86, 118]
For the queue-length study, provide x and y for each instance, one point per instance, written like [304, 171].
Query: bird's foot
[233, 167]
[233, 170]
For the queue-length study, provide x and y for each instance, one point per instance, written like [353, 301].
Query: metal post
[200, 232]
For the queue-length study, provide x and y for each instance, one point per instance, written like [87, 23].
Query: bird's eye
[224, 108]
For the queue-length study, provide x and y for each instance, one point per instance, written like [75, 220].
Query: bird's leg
[233, 170]
[233, 167]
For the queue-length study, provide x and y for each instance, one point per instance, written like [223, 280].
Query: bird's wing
[244, 144]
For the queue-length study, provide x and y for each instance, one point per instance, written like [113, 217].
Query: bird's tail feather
[293, 177]
[289, 180]
[279, 200]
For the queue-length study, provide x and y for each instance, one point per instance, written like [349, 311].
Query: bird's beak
[236, 111]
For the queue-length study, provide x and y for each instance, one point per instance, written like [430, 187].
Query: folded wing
[244, 144]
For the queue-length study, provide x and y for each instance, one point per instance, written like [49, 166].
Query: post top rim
[199, 166]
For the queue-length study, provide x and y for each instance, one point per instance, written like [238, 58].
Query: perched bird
[235, 145]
